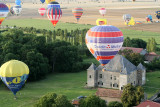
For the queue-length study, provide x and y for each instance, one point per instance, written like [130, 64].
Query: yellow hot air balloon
[131, 22]
[101, 22]
[48, 1]
[14, 73]
[9, 6]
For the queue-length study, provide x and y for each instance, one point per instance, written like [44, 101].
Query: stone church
[117, 73]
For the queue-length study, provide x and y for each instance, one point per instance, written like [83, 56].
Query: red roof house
[149, 104]
[135, 50]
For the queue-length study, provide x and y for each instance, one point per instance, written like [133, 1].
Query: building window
[134, 82]
[90, 76]
[114, 77]
[117, 85]
[100, 76]
[111, 77]
[121, 88]
[98, 83]
[110, 84]
[102, 83]
[113, 85]
[131, 84]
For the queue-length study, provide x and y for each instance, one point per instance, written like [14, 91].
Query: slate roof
[140, 67]
[111, 93]
[120, 64]
[92, 67]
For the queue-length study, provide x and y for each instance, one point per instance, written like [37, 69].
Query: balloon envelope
[131, 22]
[17, 9]
[48, 1]
[3, 12]
[53, 4]
[14, 73]
[42, 1]
[11, 10]
[104, 42]
[54, 14]
[42, 11]
[127, 17]
[157, 13]
[18, 2]
[101, 22]
[77, 12]
[102, 11]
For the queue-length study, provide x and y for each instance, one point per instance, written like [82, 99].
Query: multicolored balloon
[18, 2]
[42, 11]
[149, 18]
[14, 74]
[3, 12]
[42, 1]
[48, 1]
[17, 9]
[53, 4]
[54, 14]
[102, 11]
[157, 13]
[101, 22]
[104, 42]
[77, 12]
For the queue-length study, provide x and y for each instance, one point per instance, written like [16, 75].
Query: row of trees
[131, 96]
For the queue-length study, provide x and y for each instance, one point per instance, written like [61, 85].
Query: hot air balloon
[3, 12]
[157, 13]
[42, 11]
[149, 18]
[9, 6]
[42, 1]
[131, 22]
[101, 22]
[18, 2]
[77, 12]
[14, 74]
[127, 18]
[11, 10]
[53, 4]
[104, 42]
[54, 14]
[17, 9]
[102, 11]
[48, 1]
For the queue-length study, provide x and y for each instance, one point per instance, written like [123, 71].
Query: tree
[127, 42]
[131, 95]
[53, 100]
[151, 45]
[92, 101]
[115, 104]
[134, 58]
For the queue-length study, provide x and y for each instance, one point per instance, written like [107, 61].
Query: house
[149, 104]
[117, 73]
[151, 56]
[141, 51]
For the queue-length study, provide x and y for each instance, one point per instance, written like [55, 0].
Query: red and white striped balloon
[42, 11]
[102, 11]
[54, 14]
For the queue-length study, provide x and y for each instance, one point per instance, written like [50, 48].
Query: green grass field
[43, 24]
[46, 24]
[69, 84]
[152, 84]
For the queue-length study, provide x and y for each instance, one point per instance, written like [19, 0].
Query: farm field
[45, 24]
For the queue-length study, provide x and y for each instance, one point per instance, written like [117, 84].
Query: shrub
[115, 104]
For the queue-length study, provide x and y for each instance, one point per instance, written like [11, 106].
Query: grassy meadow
[46, 24]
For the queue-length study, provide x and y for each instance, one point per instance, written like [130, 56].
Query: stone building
[117, 73]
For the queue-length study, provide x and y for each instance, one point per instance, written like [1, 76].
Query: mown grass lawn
[69, 84]
[152, 84]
